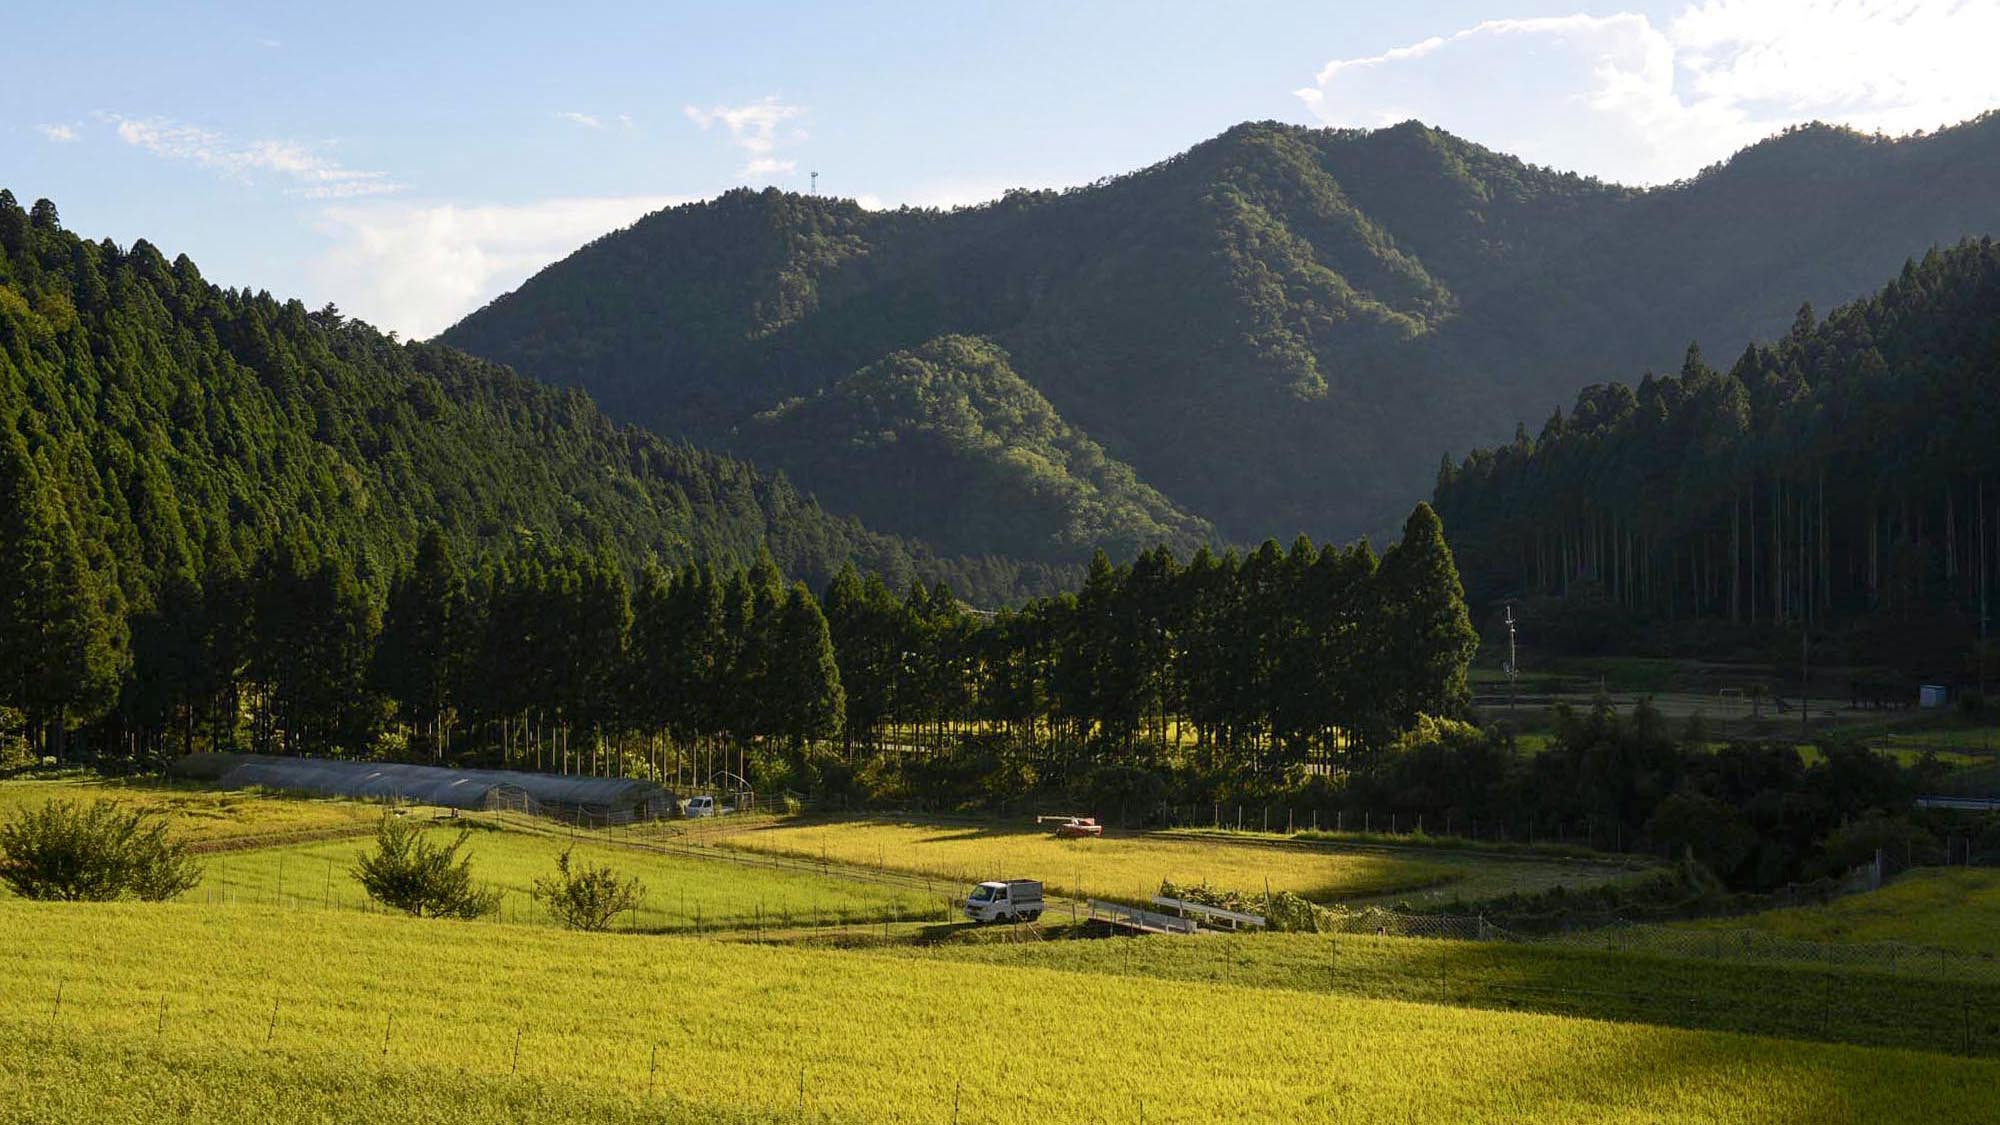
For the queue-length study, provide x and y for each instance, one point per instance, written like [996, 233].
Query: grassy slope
[203, 816]
[681, 893]
[1118, 866]
[1947, 908]
[388, 1018]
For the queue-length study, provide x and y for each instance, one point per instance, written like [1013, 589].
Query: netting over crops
[599, 799]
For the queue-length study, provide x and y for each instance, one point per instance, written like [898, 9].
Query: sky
[410, 162]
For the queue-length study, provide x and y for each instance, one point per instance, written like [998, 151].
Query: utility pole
[815, 182]
[1982, 588]
[1805, 678]
[1513, 695]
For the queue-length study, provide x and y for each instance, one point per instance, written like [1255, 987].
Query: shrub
[586, 897]
[1855, 843]
[63, 852]
[1694, 823]
[413, 874]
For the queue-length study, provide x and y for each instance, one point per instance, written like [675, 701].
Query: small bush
[586, 897]
[65, 852]
[414, 875]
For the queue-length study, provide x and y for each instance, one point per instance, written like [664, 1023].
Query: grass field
[1956, 908]
[682, 893]
[190, 1012]
[1128, 867]
[204, 816]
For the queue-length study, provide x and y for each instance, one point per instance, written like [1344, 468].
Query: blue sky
[410, 161]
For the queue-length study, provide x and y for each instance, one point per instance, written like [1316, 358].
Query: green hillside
[948, 441]
[1279, 330]
[171, 428]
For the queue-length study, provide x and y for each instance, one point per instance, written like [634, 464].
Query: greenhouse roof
[429, 785]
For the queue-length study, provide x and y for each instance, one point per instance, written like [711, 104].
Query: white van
[1014, 900]
[705, 806]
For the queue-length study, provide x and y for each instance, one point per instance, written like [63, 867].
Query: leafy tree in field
[587, 896]
[412, 873]
[94, 853]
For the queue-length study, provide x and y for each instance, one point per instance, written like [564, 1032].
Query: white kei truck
[1011, 900]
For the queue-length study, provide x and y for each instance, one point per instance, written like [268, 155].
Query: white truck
[1011, 900]
[705, 806]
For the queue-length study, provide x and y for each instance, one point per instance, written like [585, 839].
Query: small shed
[568, 797]
[1933, 695]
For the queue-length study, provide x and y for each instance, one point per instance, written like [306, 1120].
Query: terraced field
[193, 1012]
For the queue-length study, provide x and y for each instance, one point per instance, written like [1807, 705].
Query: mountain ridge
[1279, 329]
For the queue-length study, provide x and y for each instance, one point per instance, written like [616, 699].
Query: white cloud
[1625, 98]
[61, 134]
[317, 176]
[755, 128]
[419, 268]
[587, 120]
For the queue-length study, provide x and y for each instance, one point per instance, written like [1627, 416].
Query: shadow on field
[1788, 1001]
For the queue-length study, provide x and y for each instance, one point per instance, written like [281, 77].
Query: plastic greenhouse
[591, 800]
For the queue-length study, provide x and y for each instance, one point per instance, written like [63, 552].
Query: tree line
[1254, 664]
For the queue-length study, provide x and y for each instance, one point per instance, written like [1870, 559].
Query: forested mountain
[947, 441]
[162, 438]
[1280, 329]
[1845, 477]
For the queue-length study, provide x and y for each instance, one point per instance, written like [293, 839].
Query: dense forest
[1280, 329]
[160, 435]
[1840, 480]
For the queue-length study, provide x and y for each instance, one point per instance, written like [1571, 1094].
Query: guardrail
[1134, 918]
[1962, 804]
[1235, 919]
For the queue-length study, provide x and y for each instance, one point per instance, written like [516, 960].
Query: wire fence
[305, 881]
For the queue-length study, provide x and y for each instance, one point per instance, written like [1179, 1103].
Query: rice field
[682, 892]
[1955, 908]
[1473, 871]
[1801, 1001]
[146, 1013]
[1130, 866]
